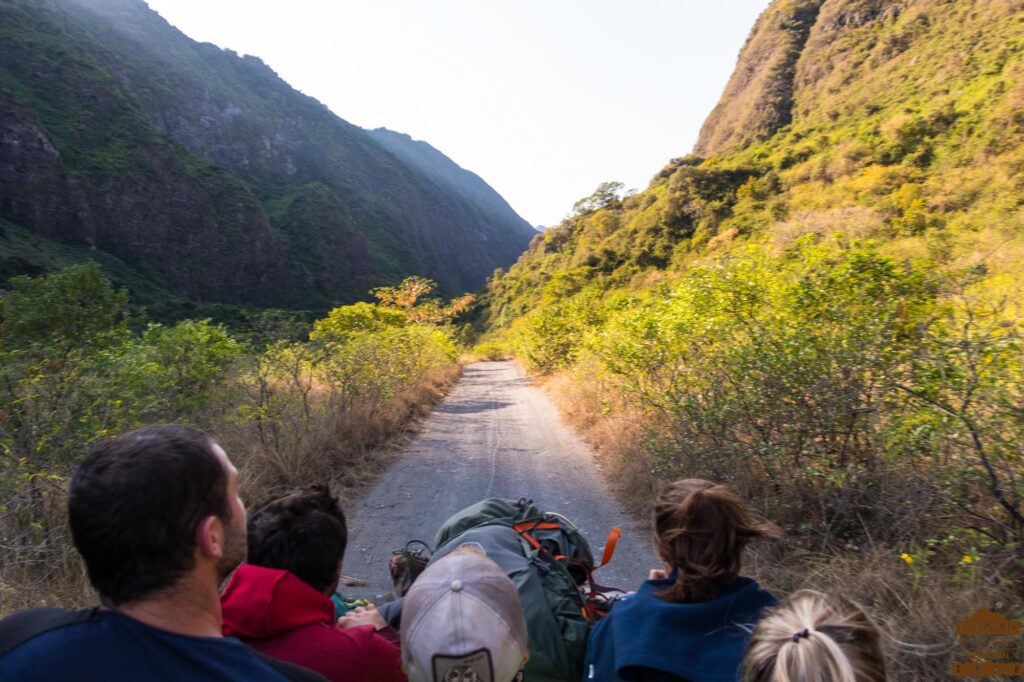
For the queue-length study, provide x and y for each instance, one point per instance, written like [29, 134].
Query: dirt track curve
[495, 435]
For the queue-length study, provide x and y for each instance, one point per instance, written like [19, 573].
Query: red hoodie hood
[263, 602]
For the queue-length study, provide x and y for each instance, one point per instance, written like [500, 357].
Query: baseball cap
[462, 622]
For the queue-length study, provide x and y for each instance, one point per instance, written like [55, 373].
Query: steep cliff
[898, 121]
[759, 97]
[119, 132]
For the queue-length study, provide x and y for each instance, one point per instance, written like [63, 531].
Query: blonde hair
[815, 637]
[701, 529]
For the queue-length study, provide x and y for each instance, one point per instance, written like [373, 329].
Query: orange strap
[529, 538]
[538, 525]
[524, 530]
[609, 547]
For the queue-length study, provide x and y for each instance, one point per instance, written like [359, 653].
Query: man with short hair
[279, 603]
[156, 516]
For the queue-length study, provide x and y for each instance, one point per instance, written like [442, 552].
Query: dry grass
[345, 449]
[614, 433]
[39, 566]
[917, 605]
[917, 611]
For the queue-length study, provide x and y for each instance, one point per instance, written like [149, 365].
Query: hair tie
[803, 633]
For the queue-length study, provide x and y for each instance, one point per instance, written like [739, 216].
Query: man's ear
[210, 537]
[336, 578]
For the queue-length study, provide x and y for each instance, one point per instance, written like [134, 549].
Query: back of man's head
[134, 506]
[303, 532]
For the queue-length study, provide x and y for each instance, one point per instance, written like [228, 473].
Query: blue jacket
[112, 646]
[645, 637]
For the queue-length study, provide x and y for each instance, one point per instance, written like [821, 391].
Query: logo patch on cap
[475, 666]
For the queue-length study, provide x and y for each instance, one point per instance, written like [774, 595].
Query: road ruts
[494, 435]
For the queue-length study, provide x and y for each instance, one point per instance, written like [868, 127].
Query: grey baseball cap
[462, 622]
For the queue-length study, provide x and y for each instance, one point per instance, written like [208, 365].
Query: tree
[408, 296]
[66, 309]
[344, 322]
[405, 294]
[606, 194]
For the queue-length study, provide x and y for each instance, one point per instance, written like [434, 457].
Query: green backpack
[551, 565]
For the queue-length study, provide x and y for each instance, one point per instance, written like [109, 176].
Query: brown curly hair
[700, 530]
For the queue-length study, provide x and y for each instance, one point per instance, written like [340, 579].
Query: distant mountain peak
[466, 184]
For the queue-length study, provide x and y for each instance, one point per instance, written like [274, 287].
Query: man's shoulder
[47, 643]
[19, 628]
[290, 671]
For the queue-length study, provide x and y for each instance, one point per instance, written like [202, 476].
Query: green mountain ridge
[470, 186]
[123, 135]
[898, 121]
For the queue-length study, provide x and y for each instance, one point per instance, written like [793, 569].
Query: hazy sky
[544, 99]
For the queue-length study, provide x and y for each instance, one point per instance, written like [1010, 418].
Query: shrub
[73, 371]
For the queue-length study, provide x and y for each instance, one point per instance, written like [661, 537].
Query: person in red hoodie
[279, 602]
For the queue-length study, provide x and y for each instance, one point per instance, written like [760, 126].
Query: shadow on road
[472, 407]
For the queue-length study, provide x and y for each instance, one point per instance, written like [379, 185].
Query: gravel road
[495, 435]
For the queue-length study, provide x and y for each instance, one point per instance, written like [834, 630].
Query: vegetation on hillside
[823, 308]
[824, 311]
[210, 179]
[76, 366]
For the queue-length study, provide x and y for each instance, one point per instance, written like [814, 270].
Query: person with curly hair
[691, 620]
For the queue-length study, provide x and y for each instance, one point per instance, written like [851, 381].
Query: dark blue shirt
[116, 647]
[645, 638]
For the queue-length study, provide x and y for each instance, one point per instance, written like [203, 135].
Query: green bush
[824, 378]
[74, 368]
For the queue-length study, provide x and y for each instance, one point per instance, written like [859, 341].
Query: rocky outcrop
[200, 228]
[758, 99]
[801, 52]
[895, 121]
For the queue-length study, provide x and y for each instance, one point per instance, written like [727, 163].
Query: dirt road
[494, 436]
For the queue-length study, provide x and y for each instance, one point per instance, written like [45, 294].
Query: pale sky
[544, 99]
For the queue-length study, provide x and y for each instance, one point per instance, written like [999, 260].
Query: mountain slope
[898, 121]
[121, 133]
[471, 187]
[759, 97]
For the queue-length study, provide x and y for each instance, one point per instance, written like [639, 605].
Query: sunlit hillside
[821, 305]
[898, 122]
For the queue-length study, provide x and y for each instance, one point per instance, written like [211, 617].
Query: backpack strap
[19, 628]
[609, 547]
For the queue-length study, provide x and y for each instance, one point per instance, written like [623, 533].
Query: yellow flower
[906, 557]
[968, 559]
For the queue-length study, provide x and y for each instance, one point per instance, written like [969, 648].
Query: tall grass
[287, 413]
[917, 604]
